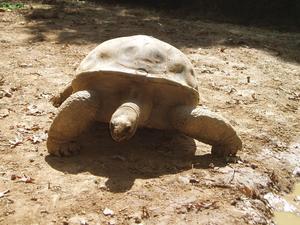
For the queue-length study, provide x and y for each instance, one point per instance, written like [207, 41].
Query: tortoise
[133, 82]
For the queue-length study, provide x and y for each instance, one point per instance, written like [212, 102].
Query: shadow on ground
[85, 22]
[150, 154]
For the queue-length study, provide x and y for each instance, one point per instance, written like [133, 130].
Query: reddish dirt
[250, 75]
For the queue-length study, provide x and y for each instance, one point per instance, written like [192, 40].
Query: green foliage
[9, 6]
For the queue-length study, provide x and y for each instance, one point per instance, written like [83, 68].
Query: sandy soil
[249, 75]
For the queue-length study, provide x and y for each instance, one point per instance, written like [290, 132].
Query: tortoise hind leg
[207, 127]
[75, 115]
[59, 98]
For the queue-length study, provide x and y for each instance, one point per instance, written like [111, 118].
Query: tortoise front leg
[59, 98]
[207, 127]
[75, 115]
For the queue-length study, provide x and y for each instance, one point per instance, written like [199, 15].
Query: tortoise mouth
[121, 131]
[124, 122]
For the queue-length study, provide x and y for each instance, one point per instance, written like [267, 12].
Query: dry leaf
[18, 140]
[5, 93]
[206, 205]
[24, 178]
[38, 138]
[248, 191]
[34, 127]
[3, 193]
[26, 128]
[33, 110]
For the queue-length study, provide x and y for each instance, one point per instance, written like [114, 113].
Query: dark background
[284, 14]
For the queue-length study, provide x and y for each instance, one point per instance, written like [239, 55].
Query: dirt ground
[250, 75]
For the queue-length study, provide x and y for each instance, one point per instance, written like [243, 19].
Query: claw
[62, 149]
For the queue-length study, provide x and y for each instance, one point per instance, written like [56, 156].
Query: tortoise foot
[62, 148]
[222, 151]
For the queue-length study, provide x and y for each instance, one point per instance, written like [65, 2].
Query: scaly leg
[207, 127]
[75, 116]
[59, 98]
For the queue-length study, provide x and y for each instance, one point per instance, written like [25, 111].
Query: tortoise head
[124, 122]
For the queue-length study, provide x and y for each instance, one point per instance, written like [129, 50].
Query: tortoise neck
[132, 106]
[141, 107]
[140, 103]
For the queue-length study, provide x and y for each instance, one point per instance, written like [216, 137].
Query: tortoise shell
[141, 60]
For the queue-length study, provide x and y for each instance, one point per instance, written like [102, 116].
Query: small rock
[253, 166]
[222, 49]
[278, 203]
[77, 220]
[297, 198]
[296, 172]
[181, 210]
[211, 165]
[33, 110]
[83, 222]
[4, 113]
[246, 94]
[233, 202]
[108, 212]
[24, 65]
[44, 211]
[194, 180]
[137, 219]
[112, 222]
[184, 180]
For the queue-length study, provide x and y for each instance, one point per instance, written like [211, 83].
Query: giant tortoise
[133, 82]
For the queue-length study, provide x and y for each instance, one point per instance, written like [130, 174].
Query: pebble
[296, 172]
[108, 212]
[184, 180]
[112, 222]
[278, 203]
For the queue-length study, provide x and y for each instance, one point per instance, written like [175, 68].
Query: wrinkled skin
[82, 108]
